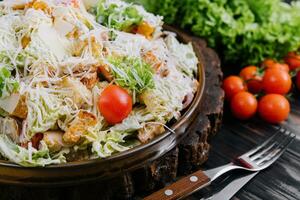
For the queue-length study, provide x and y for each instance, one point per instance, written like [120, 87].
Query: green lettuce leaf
[242, 31]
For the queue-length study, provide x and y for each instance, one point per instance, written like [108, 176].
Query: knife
[232, 188]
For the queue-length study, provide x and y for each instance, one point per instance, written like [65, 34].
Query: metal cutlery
[232, 188]
[254, 160]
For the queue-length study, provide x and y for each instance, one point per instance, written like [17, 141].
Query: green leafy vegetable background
[242, 31]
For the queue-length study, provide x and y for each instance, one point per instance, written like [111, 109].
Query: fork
[257, 159]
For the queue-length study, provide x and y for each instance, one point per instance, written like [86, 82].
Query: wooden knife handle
[181, 188]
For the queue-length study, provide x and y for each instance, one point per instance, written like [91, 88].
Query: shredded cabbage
[27, 157]
[45, 108]
[8, 84]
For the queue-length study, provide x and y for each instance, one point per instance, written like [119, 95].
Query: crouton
[79, 126]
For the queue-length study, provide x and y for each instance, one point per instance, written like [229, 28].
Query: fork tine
[276, 153]
[277, 145]
[267, 163]
[274, 143]
[260, 153]
[251, 152]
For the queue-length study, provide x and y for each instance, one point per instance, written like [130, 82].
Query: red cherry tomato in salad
[274, 108]
[115, 104]
[293, 60]
[233, 85]
[272, 64]
[276, 82]
[243, 105]
[253, 80]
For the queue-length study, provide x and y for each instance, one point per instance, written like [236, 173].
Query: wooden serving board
[188, 156]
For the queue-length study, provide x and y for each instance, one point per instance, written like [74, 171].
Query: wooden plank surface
[281, 180]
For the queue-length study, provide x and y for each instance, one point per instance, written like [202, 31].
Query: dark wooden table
[281, 180]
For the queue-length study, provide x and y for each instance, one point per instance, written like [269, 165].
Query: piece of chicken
[79, 126]
[54, 140]
[10, 127]
[150, 131]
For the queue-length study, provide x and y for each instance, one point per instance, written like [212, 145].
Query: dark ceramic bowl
[99, 169]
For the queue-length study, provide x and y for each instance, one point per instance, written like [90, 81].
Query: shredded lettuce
[132, 73]
[123, 17]
[8, 84]
[27, 157]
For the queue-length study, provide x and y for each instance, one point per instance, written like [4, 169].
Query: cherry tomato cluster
[263, 89]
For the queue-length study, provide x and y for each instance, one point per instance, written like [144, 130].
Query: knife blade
[232, 188]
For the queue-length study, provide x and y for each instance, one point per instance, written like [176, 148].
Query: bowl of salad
[89, 89]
